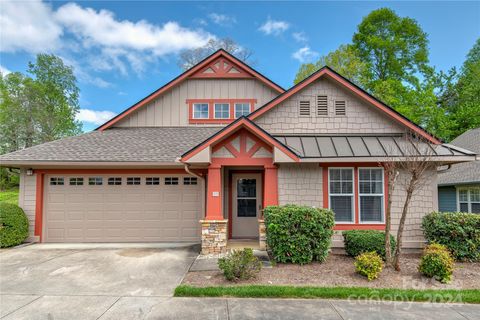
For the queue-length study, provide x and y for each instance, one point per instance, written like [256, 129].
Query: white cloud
[94, 116]
[28, 26]
[305, 54]
[4, 71]
[222, 19]
[274, 27]
[300, 37]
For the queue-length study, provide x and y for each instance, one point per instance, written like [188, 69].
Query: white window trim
[215, 111]
[469, 202]
[200, 103]
[343, 194]
[241, 103]
[371, 194]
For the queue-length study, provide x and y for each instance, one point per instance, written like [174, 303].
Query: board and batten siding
[171, 108]
[27, 199]
[360, 117]
[447, 199]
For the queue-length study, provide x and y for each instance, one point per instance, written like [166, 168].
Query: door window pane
[246, 188]
[246, 207]
[222, 111]
[200, 110]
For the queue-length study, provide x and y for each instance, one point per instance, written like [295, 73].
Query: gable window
[241, 109]
[190, 181]
[171, 181]
[322, 106]
[371, 195]
[340, 108]
[133, 181]
[114, 181]
[304, 108]
[56, 181]
[341, 193]
[222, 111]
[76, 181]
[469, 200]
[152, 181]
[200, 110]
[95, 181]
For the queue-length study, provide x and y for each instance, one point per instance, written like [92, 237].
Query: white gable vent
[322, 106]
[340, 109]
[305, 108]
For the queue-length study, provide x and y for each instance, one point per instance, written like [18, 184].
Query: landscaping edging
[350, 293]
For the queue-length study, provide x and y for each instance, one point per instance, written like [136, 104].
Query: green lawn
[10, 196]
[258, 291]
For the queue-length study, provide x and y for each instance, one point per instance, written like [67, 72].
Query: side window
[341, 194]
[114, 181]
[200, 110]
[170, 181]
[152, 181]
[95, 181]
[222, 111]
[190, 181]
[56, 181]
[241, 109]
[76, 181]
[133, 181]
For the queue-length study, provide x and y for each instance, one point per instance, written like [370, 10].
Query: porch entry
[246, 204]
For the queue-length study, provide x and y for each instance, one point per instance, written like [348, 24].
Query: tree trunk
[398, 249]
[388, 219]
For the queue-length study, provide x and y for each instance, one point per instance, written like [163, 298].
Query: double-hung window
[200, 110]
[341, 194]
[469, 200]
[371, 195]
[222, 111]
[241, 109]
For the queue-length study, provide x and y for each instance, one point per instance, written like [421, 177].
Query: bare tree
[391, 170]
[191, 57]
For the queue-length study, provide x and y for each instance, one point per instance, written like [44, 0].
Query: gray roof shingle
[464, 172]
[159, 144]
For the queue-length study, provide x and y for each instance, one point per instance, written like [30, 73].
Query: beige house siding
[300, 184]
[171, 108]
[360, 117]
[26, 198]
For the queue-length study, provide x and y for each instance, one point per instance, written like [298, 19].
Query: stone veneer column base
[214, 236]
[262, 235]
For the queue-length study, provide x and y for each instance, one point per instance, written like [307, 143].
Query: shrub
[361, 241]
[13, 225]
[298, 234]
[369, 264]
[240, 265]
[437, 263]
[459, 232]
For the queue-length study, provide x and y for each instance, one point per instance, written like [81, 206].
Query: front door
[247, 203]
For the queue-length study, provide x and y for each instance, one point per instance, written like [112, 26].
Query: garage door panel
[108, 213]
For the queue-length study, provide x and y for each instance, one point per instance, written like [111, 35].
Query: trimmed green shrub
[359, 241]
[298, 234]
[458, 231]
[240, 265]
[13, 225]
[437, 263]
[369, 264]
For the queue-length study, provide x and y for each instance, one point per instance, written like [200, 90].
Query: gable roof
[196, 72]
[332, 74]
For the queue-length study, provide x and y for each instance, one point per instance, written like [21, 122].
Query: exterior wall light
[30, 172]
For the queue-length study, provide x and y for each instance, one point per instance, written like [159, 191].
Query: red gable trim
[235, 126]
[325, 71]
[187, 74]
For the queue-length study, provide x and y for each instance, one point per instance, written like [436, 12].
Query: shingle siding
[27, 198]
[447, 199]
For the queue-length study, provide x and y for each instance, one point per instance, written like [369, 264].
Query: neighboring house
[459, 186]
[217, 144]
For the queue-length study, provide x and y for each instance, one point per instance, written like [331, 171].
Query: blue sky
[124, 50]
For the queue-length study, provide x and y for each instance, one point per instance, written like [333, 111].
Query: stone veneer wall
[214, 236]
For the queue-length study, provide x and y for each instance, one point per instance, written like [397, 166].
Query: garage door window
[76, 181]
[170, 181]
[55, 181]
[152, 181]
[133, 181]
[191, 181]
[115, 181]
[95, 181]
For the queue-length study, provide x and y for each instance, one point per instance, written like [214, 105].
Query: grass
[9, 196]
[258, 291]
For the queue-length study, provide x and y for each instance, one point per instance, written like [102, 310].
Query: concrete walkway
[114, 307]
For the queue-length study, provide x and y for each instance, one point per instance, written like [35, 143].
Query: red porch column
[270, 186]
[214, 194]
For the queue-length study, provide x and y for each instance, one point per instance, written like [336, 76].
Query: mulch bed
[339, 271]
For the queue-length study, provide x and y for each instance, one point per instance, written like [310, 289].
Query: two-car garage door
[121, 208]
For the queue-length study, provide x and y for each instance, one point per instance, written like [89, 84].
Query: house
[199, 158]
[459, 186]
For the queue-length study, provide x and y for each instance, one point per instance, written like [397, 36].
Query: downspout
[187, 169]
[449, 166]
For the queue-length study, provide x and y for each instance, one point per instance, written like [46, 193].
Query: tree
[191, 57]
[345, 60]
